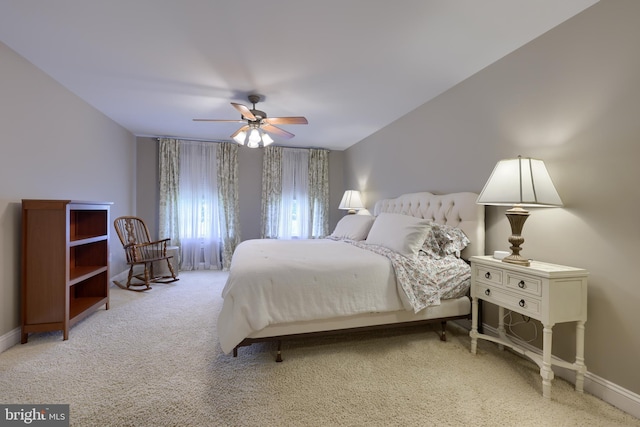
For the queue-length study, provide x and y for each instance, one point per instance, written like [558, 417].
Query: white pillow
[401, 233]
[353, 227]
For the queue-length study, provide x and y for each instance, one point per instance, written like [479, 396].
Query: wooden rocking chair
[134, 235]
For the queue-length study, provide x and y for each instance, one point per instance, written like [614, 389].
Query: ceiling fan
[258, 126]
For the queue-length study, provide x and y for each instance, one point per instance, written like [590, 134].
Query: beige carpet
[153, 360]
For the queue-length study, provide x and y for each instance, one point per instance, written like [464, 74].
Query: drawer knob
[487, 292]
[522, 303]
[487, 275]
[521, 284]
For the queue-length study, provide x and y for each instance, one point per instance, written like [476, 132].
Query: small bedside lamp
[351, 201]
[521, 182]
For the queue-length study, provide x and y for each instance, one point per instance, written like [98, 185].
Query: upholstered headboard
[455, 209]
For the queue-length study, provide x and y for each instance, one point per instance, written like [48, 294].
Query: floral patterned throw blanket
[426, 279]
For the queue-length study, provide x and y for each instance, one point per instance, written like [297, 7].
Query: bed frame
[455, 209]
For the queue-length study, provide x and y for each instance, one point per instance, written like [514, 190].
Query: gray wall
[54, 146]
[572, 98]
[249, 187]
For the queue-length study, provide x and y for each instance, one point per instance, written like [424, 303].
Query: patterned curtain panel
[295, 193]
[271, 191]
[169, 171]
[227, 156]
[319, 192]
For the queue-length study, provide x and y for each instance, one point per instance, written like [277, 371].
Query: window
[204, 176]
[198, 222]
[294, 199]
[294, 204]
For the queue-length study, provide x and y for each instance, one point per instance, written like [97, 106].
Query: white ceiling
[350, 67]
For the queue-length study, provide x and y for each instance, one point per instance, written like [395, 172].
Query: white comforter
[277, 281]
[280, 281]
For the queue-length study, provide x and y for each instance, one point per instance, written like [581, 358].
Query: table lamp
[519, 183]
[351, 201]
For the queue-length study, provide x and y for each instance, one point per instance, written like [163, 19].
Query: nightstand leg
[501, 331]
[580, 367]
[545, 371]
[474, 325]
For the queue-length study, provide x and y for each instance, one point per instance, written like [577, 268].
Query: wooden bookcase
[65, 263]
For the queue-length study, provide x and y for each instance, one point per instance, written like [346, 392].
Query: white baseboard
[122, 276]
[12, 338]
[9, 339]
[611, 393]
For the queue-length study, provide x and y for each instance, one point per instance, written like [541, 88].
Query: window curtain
[319, 192]
[199, 201]
[271, 191]
[198, 214]
[295, 193]
[227, 156]
[294, 221]
[169, 171]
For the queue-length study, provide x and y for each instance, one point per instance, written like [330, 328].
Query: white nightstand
[547, 292]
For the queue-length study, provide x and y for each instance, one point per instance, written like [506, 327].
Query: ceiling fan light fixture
[254, 132]
[266, 139]
[254, 136]
[240, 137]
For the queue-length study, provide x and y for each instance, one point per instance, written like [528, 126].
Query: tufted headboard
[455, 209]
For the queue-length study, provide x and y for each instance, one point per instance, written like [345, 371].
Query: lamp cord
[509, 324]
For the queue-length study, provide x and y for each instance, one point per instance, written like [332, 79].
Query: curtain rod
[184, 139]
[220, 141]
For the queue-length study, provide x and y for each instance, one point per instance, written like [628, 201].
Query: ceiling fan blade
[286, 120]
[220, 121]
[242, 129]
[267, 127]
[246, 113]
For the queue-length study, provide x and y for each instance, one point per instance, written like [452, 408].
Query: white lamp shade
[254, 136]
[521, 181]
[266, 139]
[351, 200]
[240, 137]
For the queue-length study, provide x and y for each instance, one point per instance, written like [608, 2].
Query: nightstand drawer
[518, 303]
[524, 284]
[488, 275]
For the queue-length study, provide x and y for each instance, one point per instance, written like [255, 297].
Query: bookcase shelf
[65, 263]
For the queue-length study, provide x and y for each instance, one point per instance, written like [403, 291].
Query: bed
[360, 276]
